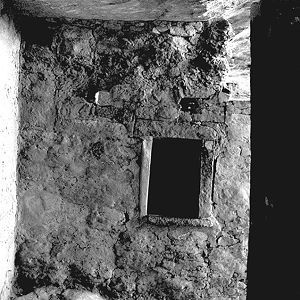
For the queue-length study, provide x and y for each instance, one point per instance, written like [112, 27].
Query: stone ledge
[144, 128]
[166, 221]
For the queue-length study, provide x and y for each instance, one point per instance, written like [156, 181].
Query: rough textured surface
[9, 81]
[53, 293]
[90, 93]
[237, 12]
[127, 10]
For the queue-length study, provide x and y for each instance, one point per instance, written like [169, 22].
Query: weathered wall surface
[9, 79]
[133, 10]
[237, 12]
[80, 162]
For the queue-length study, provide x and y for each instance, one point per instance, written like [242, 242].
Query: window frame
[206, 177]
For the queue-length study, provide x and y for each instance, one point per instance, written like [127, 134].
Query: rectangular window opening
[171, 177]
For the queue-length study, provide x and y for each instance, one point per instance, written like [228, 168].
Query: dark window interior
[190, 105]
[174, 178]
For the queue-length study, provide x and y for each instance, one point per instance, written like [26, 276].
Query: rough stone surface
[238, 77]
[146, 10]
[80, 157]
[81, 295]
[237, 12]
[9, 82]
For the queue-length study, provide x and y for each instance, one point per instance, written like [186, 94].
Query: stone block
[179, 31]
[210, 114]
[103, 98]
[144, 128]
[81, 295]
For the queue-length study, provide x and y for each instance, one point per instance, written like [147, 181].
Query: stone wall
[237, 12]
[91, 92]
[9, 71]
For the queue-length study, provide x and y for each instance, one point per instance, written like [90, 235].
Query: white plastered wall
[9, 80]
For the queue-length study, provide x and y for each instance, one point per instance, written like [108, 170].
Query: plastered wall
[9, 71]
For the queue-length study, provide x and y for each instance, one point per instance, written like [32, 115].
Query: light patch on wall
[9, 62]
[238, 77]
[224, 8]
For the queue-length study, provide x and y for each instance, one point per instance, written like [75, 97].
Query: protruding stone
[190, 30]
[31, 296]
[176, 30]
[154, 30]
[162, 28]
[224, 95]
[209, 145]
[81, 295]
[198, 26]
[103, 98]
[194, 39]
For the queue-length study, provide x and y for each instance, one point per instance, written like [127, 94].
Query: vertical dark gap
[213, 181]
[273, 261]
[257, 270]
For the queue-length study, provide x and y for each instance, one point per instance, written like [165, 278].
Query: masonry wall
[80, 158]
[9, 71]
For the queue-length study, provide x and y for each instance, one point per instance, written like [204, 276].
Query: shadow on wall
[273, 249]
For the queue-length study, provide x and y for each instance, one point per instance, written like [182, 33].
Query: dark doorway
[273, 261]
[175, 178]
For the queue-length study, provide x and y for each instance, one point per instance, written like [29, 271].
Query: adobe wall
[80, 156]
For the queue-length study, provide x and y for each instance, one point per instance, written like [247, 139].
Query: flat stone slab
[172, 10]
